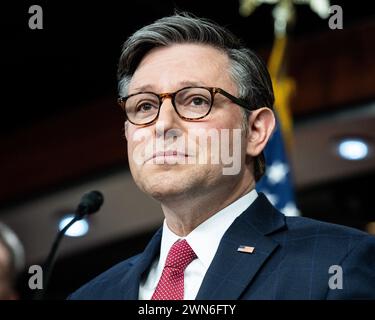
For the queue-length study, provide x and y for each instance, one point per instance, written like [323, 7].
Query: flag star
[273, 198]
[290, 210]
[277, 172]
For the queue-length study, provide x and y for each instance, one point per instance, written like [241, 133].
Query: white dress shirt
[204, 240]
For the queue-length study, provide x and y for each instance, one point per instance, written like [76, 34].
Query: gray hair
[247, 70]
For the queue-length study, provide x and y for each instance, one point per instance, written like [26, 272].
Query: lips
[167, 153]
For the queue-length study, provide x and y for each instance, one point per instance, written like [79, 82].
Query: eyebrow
[185, 83]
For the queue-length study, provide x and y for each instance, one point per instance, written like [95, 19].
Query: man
[189, 88]
[11, 262]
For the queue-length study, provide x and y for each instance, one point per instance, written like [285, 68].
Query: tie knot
[180, 255]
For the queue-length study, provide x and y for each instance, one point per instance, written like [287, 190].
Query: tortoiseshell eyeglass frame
[161, 96]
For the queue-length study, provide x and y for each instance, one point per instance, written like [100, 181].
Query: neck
[187, 212]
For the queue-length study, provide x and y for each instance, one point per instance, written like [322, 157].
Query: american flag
[277, 183]
[245, 249]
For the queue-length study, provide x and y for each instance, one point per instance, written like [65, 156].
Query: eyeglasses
[190, 103]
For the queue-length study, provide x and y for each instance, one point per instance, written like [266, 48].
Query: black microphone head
[90, 203]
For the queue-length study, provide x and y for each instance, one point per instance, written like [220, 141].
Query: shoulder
[112, 283]
[311, 228]
[321, 244]
[324, 234]
[328, 247]
[104, 281]
[312, 249]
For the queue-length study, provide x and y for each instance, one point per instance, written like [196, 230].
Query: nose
[167, 117]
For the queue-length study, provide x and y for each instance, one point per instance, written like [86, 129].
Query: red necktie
[171, 283]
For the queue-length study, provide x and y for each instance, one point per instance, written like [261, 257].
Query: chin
[161, 193]
[166, 184]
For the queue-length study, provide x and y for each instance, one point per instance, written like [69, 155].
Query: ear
[261, 124]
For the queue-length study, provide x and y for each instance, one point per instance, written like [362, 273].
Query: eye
[146, 107]
[197, 101]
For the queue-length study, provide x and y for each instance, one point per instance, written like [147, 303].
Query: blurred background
[62, 132]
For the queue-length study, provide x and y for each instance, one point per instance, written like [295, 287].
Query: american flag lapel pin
[246, 249]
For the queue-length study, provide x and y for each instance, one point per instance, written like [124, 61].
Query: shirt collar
[205, 238]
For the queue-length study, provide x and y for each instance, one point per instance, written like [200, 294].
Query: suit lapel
[130, 283]
[232, 271]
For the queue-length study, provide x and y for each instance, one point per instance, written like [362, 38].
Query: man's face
[196, 169]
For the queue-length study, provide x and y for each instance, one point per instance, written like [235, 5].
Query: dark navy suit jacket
[291, 260]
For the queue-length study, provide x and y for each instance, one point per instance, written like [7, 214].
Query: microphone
[89, 204]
